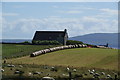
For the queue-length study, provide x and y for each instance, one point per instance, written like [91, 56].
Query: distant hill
[99, 39]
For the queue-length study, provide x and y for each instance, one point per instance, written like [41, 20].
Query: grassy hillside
[78, 57]
[18, 50]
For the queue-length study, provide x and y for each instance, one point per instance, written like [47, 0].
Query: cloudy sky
[20, 20]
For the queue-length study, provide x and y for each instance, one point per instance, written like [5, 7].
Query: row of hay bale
[103, 47]
[37, 53]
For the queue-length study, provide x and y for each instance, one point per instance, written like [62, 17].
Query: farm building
[60, 36]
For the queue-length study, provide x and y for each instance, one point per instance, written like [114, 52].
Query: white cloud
[18, 6]
[93, 19]
[71, 12]
[109, 11]
[100, 25]
[55, 6]
[82, 7]
[89, 8]
[75, 26]
[74, 12]
[10, 14]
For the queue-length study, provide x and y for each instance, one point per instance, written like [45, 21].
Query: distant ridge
[99, 38]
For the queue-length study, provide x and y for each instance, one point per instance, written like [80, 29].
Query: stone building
[60, 36]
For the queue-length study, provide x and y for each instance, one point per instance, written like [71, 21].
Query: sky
[20, 20]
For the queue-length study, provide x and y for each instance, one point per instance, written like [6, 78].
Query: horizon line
[69, 37]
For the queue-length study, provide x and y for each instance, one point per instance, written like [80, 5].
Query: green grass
[77, 57]
[82, 59]
[17, 50]
[60, 71]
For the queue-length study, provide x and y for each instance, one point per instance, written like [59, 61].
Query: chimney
[65, 30]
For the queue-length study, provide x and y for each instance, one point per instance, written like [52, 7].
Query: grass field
[61, 72]
[82, 59]
[17, 50]
[78, 57]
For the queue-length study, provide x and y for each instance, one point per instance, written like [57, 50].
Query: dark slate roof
[50, 31]
[48, 35]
